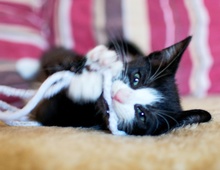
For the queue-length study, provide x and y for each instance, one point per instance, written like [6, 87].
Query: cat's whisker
[149, 71]
[125, 60]
[119, 48]
[113, 33]
[130, 126]
[164, 112]
[157, 121]
[161, 115]
[171, 62]
[81, 65]
[147, 79]
[156, 78]
[125, 65]
[169, 117]
[126, 126]
[156, 72]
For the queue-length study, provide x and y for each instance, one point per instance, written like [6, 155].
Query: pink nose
[122, 96]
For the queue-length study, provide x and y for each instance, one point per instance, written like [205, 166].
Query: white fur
[23, 123]
[101, 58]
[124, 98]
[86, 87]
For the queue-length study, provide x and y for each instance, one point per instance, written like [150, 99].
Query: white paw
[23, 123]
[86, 87]
[101, 58]
[119, 133]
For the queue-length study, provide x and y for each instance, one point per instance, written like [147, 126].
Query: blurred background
[29, 27]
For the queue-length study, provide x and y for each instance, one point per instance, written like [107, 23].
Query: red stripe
[12, 101]
[214, 37]
[82, 26]
[181, 20]
[183, 74]
[158, 37]
[47, 15]
[19, 14]
[12, 50]
[157, 25]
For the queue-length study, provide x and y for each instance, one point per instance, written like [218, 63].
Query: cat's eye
[141, 115]
[136, 79]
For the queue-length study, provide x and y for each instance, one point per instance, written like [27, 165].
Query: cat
[144, 92]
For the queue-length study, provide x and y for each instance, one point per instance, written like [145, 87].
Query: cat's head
[146, 99]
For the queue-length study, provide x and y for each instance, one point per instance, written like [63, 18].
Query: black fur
[156, 70]
[58, 59]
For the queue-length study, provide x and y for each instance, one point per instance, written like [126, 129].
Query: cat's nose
[122, 95]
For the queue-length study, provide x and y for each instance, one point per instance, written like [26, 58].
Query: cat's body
[144, 93]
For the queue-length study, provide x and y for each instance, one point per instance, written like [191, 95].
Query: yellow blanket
[195, 147]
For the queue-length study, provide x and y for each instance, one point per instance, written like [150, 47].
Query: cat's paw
[23, 123]
[85, 87]
[101, 58]
[119, 133]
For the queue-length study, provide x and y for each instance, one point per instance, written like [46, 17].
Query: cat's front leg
[101, 59]
[85, 87]
[88, 86]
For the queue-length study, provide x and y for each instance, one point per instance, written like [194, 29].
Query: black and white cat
[144, 93]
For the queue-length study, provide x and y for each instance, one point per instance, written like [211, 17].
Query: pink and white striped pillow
[22, 28]
[27, 27]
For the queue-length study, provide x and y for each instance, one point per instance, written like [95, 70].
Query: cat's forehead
[139, 62]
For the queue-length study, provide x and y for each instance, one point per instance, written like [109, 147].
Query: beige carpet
[196, 147]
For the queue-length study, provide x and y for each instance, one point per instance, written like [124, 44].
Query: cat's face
[145, 98]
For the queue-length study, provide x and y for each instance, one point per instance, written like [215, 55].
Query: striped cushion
[21, 29]
[30, 26]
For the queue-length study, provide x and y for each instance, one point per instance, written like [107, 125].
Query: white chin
[125, 112]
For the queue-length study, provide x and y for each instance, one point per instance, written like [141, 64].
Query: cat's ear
[189, 117]
[170, 57]
[185, 118]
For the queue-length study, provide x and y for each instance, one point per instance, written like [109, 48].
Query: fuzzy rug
[195, 147]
